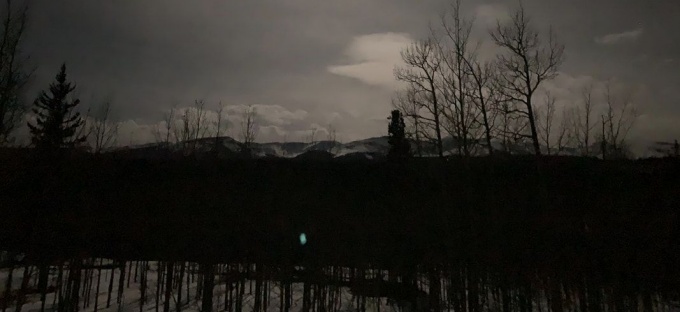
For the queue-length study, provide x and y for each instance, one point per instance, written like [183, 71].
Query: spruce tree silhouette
[56, 123]
[399, 147]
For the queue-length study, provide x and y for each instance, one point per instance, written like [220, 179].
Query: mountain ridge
[369, 148]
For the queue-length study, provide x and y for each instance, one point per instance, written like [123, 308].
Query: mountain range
[370, 148]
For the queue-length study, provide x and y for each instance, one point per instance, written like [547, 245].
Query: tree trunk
[507, 299]
[472, 285]
[306, 296]
[437, 123]
[42, 285]
[159, 281]
[143, 285]
[581, 293]
[229, 296]
[99, 279]
[487, 131]
[534, 131]
[282, 296]
[108, 297]
[556, 296]
[435, 289]
[136, 271]
[121, 284]
[265, 296]
[8, 289]
[189, 276]
[258, 288]
[57, 292]
[22, 290]
[241, 291]
[594, 298]
[89, 281]
[647, 302]
[75, 284]
[178, 305]
[289, 298]
[129, 273]
[208, 273]
[168, 285]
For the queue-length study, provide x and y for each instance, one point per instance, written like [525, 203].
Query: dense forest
[522, 221]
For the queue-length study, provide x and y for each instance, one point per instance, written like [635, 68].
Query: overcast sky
[311, 63]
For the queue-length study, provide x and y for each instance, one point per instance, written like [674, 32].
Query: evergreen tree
[57, 124]
[399, 145]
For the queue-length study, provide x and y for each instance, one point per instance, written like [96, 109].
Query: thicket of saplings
[502, 234]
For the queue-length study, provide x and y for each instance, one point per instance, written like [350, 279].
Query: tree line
[450, 90]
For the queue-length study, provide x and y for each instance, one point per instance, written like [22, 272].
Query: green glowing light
[303, 239]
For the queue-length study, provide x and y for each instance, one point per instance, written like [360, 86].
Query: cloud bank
[623, 37]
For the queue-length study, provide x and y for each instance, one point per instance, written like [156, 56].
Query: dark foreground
[498, 234]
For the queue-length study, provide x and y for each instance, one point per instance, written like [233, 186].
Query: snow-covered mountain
[371, 148]
[228, 145]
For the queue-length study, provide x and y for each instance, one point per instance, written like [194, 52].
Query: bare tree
[311, 139]
[484, 96]
[584, 122]
[527, 63]
[83, 132]
[460, 113]
[619, 117]
[248, 130]
[285, 143]
[193, 127]
[13, 76]
[512, 127]
[200, 128]
[220, 124]
[164, 136]
[104, 132]
[423, 64]
[545, 121]
[565, 134]
[331, 136]
[182, 132]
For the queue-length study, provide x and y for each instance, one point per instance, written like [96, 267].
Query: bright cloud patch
[269, 114]
[627, 36]
[373, 58]
[489, 14]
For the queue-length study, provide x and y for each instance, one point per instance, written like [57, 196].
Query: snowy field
[131, 295]
[99, 284]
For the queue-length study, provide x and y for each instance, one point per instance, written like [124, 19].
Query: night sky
[311, 63]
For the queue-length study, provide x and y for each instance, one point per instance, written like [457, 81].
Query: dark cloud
[301, 55]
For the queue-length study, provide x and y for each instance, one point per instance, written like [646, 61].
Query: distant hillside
[370, 148]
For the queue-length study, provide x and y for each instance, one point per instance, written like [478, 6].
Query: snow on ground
[131, 295]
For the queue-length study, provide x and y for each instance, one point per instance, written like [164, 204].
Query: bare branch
[526, 64]
[423, 64]
[13, 76]
[619, 119]
[545, 121]
[248, 130]
[104, 131]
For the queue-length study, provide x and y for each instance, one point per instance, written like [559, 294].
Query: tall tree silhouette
[399, 146]
[423, 64]
[528, 61]
[56, 124]
[13, 74]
